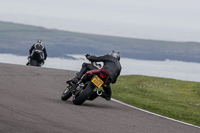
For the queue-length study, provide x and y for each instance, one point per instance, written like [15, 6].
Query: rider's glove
[87, 55]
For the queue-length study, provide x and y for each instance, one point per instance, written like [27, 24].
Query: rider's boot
[103, 95]
[27, 63]
[75, 79]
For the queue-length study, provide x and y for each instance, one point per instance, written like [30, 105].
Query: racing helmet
[115, 54]
[39, 41]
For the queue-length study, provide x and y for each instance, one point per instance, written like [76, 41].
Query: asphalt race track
[30, 103]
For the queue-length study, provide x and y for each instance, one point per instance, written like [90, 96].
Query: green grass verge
[176, 99]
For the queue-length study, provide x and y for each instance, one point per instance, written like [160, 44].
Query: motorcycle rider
[38, 46]
[110, 63]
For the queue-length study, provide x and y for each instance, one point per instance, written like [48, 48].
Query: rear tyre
[33, 63]
[80, 99]
[66, 94]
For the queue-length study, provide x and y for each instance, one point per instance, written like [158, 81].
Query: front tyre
[66, 94]
[80, 99]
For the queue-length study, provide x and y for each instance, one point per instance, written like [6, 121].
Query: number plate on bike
[97, 81]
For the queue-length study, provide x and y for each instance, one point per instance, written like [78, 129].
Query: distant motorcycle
[86, 86]
[36, 59]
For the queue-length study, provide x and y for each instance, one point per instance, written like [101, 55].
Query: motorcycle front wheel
[66, 94]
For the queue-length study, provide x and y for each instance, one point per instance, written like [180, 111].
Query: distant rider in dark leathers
[110, 63]
[39, 47]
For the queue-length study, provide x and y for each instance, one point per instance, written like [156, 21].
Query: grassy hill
[169, 97]
[18, 38]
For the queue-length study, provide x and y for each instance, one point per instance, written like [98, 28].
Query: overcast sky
[174, 20]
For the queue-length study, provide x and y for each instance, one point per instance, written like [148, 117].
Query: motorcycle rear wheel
[82, 97]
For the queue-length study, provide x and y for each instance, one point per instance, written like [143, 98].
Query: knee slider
[84, 64]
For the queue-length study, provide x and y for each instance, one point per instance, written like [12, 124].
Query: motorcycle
[87, 86]
[36, 59]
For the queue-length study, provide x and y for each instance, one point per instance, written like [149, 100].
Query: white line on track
[154, 113]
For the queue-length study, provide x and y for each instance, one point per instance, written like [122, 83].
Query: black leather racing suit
[38, 47]
[109, 63]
